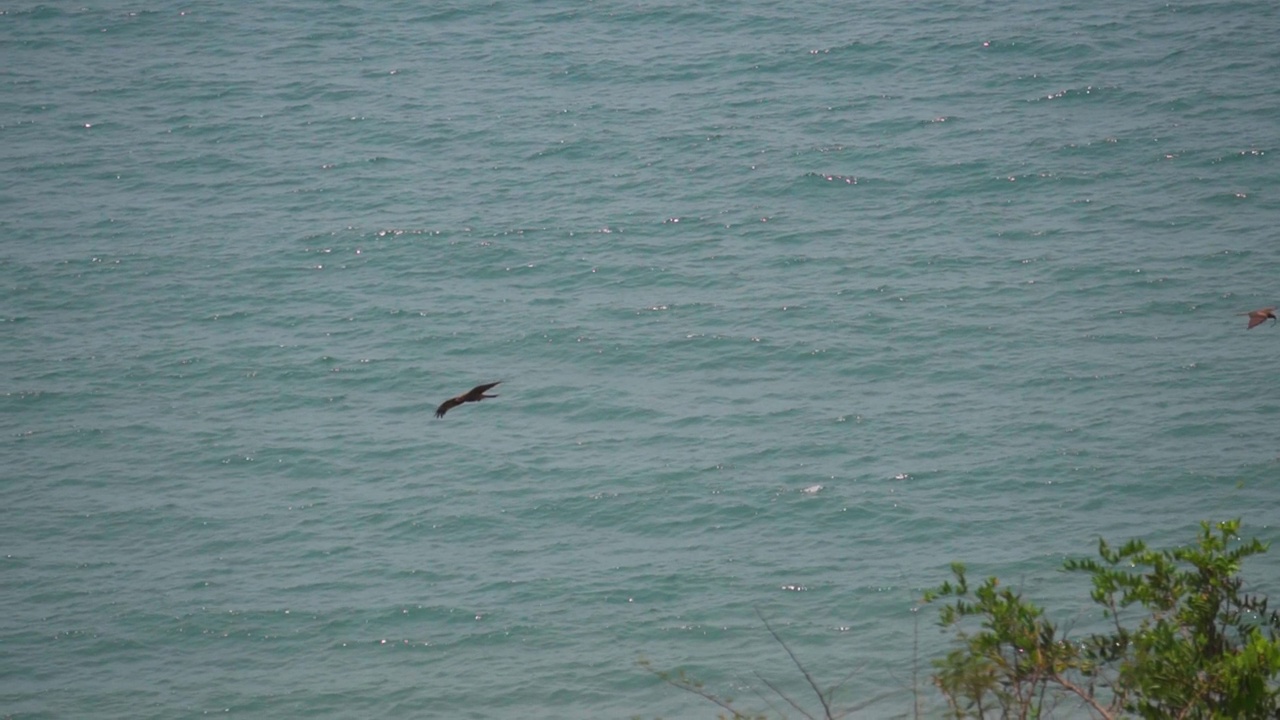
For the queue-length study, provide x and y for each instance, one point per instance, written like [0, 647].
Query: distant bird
[475, 394]
[1257, 317]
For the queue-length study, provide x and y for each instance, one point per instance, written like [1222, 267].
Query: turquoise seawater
[794, 304]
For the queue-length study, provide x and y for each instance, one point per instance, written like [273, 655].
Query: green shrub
[1199, 648]
[1181, 640]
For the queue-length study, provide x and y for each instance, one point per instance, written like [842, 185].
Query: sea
[793, 306]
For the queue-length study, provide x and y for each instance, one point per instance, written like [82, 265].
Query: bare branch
[784, 696]
[692, 688]
[826, 706]
[1084, 695]
[767, 701]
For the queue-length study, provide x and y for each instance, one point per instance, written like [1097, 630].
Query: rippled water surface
[792, 307]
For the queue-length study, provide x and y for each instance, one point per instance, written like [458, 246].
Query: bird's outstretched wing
[475, 394]
[1257, 317]
[448, 405]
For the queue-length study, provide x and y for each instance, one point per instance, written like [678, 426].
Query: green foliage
[1206, 649]
[1201, 647]
[1016, 666]
[1182, 640]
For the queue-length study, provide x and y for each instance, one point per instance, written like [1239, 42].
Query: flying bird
[475, 394]
[1257, 317]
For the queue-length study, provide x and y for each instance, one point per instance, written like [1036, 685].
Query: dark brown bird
[475, 394]
[1257, 317]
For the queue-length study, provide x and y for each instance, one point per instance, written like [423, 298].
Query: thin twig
[1083, 695]
[915, 664]
[688, 687]
[869, 702]
[784, 696]
[767, 701]
[808, 678]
